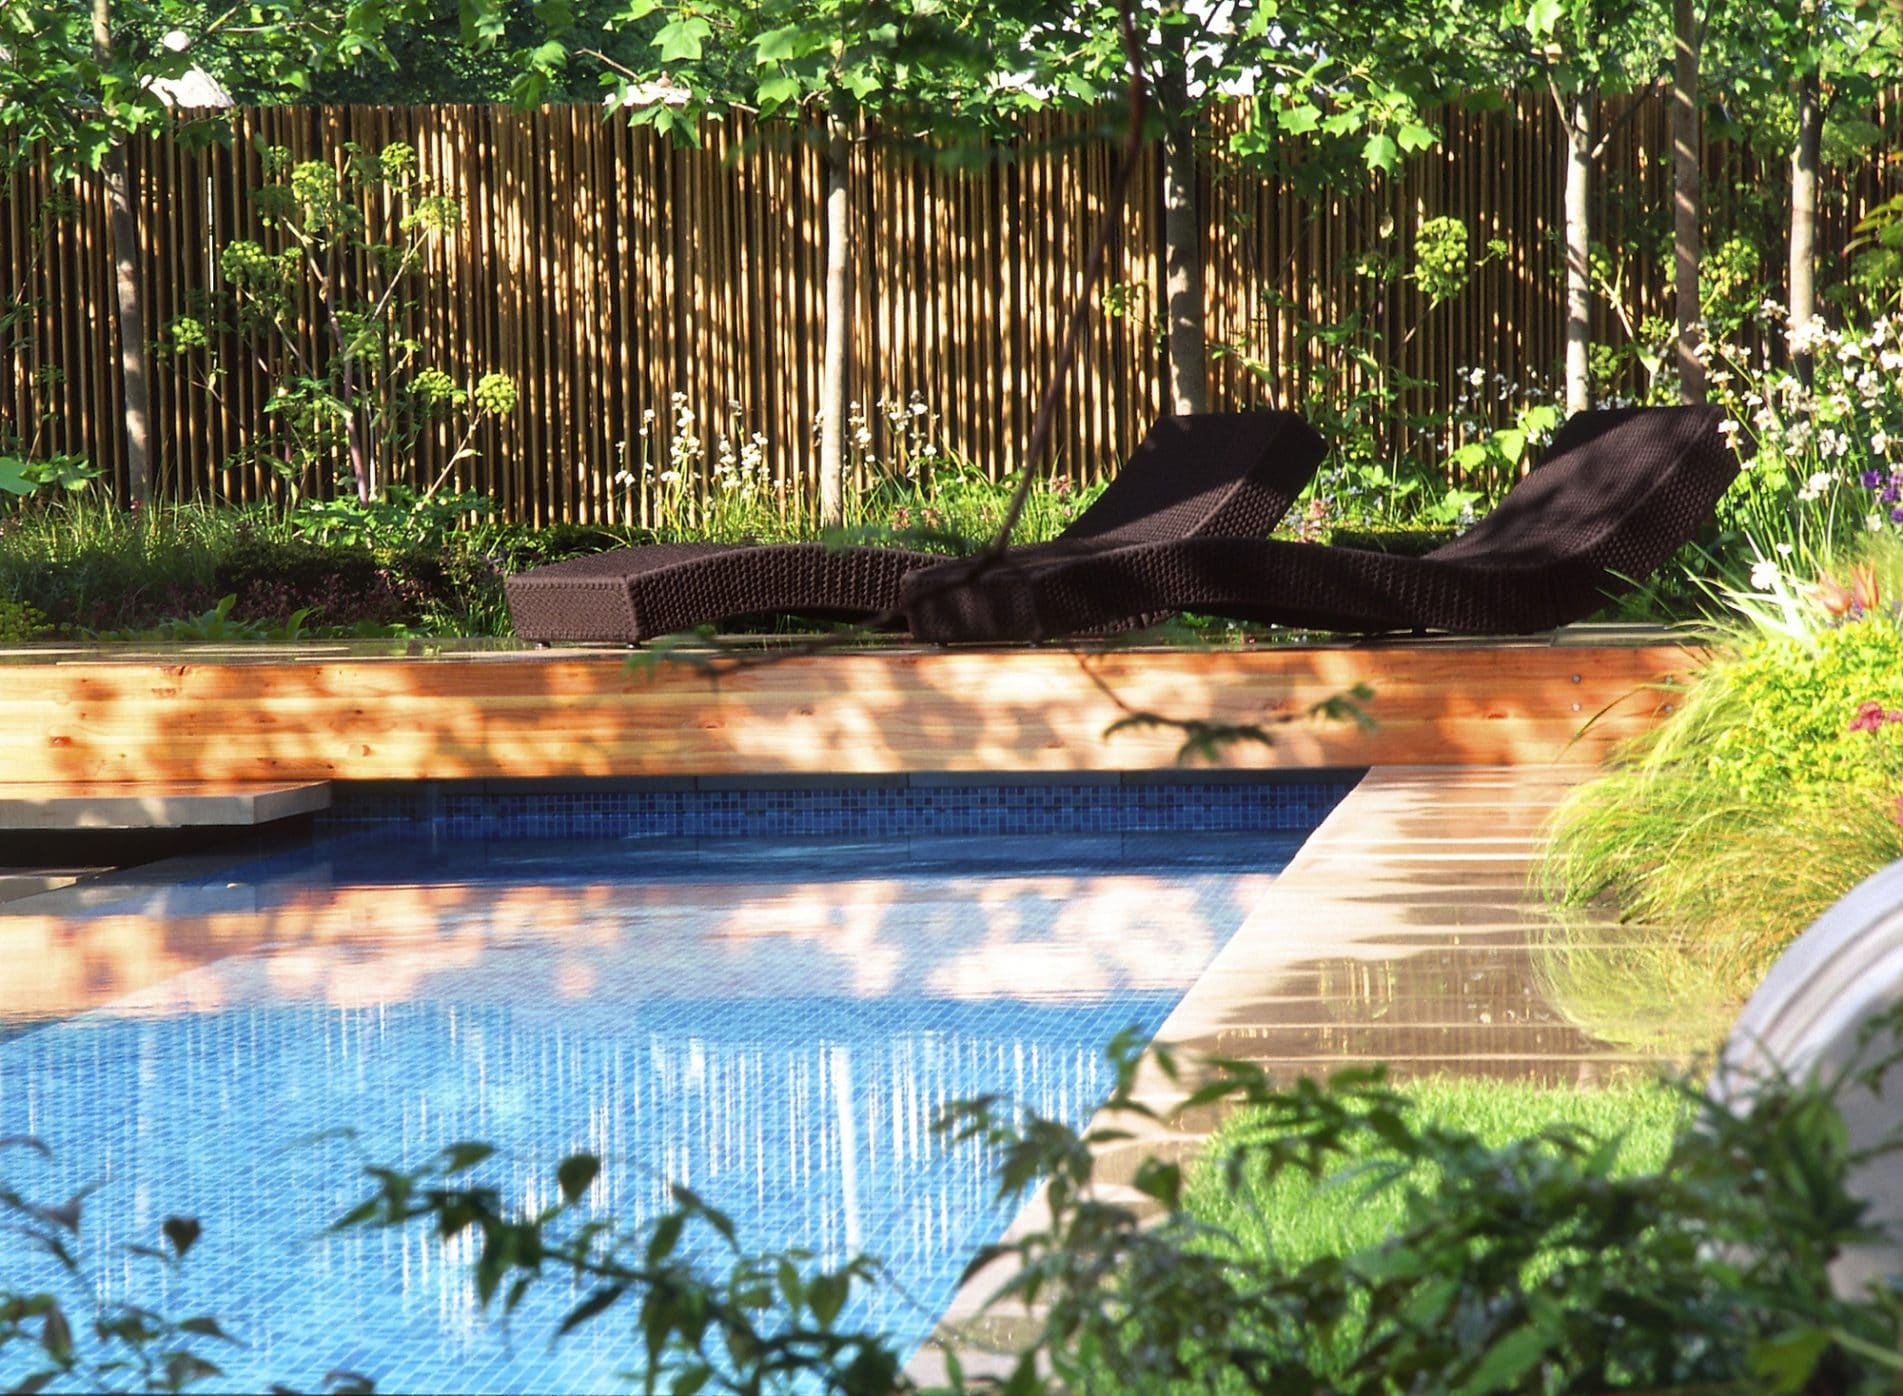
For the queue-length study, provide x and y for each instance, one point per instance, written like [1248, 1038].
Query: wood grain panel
[580, 714]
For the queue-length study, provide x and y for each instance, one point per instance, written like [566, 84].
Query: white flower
[647, 414]
[670, 477]
[1808, 336]
[1476, 378]
[863, 436]
[1782, 549]
[1831, 442]
[1764, 575]
[1815, 486]
[1729, 428]
[1874, 521]
[1879, 443]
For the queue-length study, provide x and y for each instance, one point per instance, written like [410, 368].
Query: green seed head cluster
[496, 394]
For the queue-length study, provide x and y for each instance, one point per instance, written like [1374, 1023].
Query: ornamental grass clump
[1721, 834]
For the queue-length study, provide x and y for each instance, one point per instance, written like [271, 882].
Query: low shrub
[21, 621]
[1771, 792]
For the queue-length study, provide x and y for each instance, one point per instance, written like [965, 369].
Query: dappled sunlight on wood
[569, 713]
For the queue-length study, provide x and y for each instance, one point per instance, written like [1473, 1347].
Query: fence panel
[606, 271]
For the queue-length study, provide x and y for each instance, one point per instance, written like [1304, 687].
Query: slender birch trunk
[1578, 113]
[1687, 240]
[1805, 155]
[832, 399]
[131, 306]
[1183, 273]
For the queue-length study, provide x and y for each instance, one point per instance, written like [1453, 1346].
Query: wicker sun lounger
[1223, 474]
[1615, 496]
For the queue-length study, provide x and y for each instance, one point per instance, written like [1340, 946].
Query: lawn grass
[1295, 1220]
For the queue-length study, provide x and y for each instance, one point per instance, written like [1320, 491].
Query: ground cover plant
[1470, 1239]
[1774, 789]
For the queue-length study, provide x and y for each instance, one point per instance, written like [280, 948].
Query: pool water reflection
[778, 1032]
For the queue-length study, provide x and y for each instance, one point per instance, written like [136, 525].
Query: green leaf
[13, 476]
[595, 1303]
[777, 45]
[182, 1233]
[56, 1336]
[1542, 17]
[680, 40]
[827, 1295]
[576, 1174]
[666, 1235]
[1507, 1361]
[1415, 138]
[1790, 1358]
[465, 1155]
[775, 92]
[184, 1368]
[1381, 153]
[1300, 120]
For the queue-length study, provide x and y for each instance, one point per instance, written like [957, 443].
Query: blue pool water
[777, 1029]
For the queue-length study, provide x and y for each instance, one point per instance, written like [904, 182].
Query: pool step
[46, 807]
[30, 882]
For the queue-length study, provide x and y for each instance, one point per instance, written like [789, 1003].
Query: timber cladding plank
[1023, 710]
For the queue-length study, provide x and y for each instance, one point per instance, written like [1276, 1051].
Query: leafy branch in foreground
[750, 1325]
[1546, 1264]
[117, 1344]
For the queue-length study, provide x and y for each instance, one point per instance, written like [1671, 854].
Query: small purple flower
[1872, 479]
[1891, 494]
[1896, 515]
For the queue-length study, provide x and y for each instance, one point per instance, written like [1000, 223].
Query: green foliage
[709, 1316]
[215, 626]
[1769, 794]
[67, 1335]
[24, 478]
[1618, 1247]
[352, 395]
[1301, 1219]
[1441, 264]
[1876, 255]
[21, 621]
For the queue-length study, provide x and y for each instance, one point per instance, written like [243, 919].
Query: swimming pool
[774, 1024]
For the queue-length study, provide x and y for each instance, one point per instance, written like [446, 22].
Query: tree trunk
[131, 306]
[1578, 113]
[1687, 243]
[1804, 159]
[1183, 272]
[832, 391]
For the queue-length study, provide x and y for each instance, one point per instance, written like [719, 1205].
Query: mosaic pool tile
[780, 1040]
[818, 810]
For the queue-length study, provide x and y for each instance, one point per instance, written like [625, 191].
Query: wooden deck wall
[183, 718]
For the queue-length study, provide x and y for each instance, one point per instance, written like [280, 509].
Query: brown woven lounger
[1615, 496]
[1223, 474]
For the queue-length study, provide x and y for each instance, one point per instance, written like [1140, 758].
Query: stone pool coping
[1429, 934]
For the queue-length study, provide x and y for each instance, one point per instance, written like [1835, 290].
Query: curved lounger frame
[1230, 473]
[1615, 496]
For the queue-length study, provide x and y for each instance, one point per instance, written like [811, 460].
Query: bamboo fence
[605, 271]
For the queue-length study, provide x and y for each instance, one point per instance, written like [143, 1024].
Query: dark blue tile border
[893, 807]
